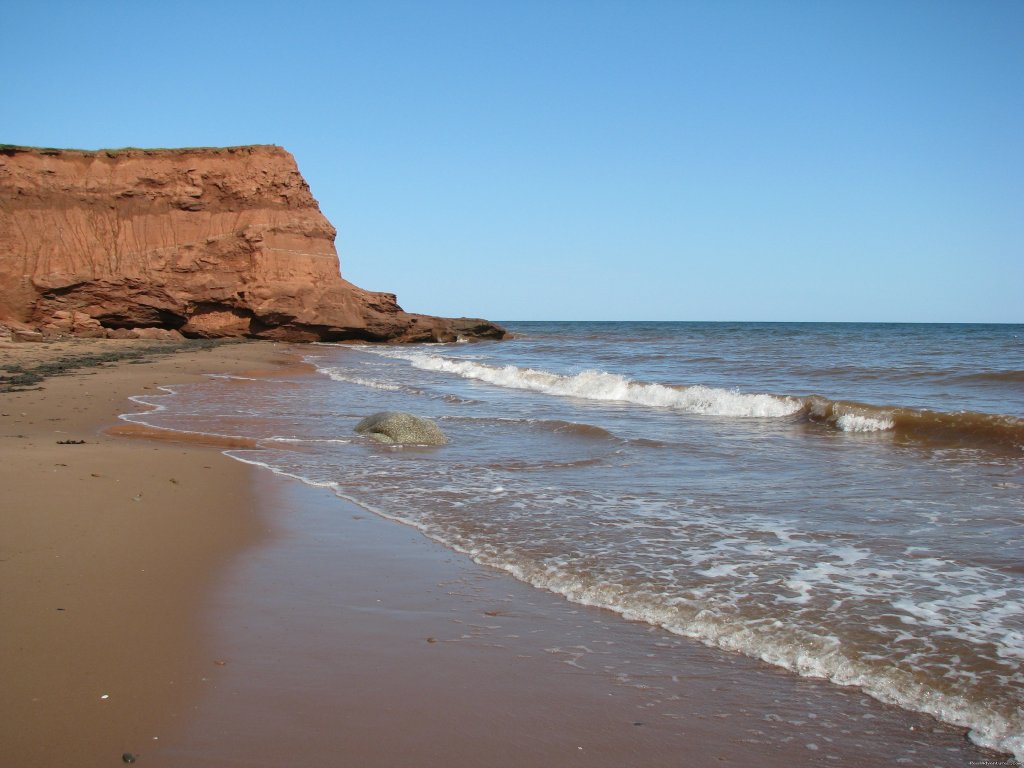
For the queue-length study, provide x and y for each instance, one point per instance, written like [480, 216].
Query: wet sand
[353, 640]
[238, 618]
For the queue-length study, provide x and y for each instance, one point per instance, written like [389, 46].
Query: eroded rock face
[207, 242]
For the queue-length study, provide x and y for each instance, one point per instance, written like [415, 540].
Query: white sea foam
[848, 417]
[604, 386]
[853, 422]
[336, 374]
[144, 400]
[300, 440]
[230, 377]
[237, 455]
[723, 569]
[807, 654]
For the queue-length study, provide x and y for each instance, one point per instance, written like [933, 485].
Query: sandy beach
[107, 547]
[163, 600]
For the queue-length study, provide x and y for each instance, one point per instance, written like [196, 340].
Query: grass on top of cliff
[27, 366]
[13, 149]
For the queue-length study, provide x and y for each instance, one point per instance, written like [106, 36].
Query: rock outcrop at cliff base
[212, 242]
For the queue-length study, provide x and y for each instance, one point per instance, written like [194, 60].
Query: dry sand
[161, 599]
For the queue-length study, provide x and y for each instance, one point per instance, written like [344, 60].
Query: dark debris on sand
[15, 377]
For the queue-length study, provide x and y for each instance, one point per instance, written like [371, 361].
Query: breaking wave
[960, 428]
[609, 387]
[968, 428]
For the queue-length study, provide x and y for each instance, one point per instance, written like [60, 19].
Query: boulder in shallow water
[396, 427]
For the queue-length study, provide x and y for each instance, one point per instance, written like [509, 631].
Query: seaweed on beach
[17, 377]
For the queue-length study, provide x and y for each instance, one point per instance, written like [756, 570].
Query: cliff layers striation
[207, 242]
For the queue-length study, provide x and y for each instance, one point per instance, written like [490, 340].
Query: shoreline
[293, 626]
[350, 635]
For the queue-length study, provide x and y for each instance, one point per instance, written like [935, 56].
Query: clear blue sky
[719, 160]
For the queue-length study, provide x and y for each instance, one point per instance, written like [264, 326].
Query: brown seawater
[843, 501]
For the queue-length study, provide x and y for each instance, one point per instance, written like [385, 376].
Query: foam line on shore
[801, 652]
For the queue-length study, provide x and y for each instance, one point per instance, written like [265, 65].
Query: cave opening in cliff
[142, 317]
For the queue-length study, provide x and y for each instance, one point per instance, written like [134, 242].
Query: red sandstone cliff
[209, 242]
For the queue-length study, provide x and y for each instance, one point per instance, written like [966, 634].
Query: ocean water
[845, 501]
